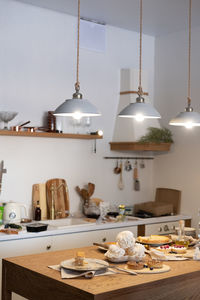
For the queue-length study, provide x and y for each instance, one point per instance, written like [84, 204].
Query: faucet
[2, 171]
[54, 189]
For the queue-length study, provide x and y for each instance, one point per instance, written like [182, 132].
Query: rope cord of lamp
[77, 107]
[188, 118]
[140, 110]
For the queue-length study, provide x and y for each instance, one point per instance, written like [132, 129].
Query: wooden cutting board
[39, 194]
[57, 188]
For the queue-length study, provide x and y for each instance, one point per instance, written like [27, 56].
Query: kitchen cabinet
[82, 239]
[24, 247]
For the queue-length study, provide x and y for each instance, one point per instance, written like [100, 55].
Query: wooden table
[30, 277]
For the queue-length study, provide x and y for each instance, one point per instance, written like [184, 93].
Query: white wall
[181, 167]
[37, 73]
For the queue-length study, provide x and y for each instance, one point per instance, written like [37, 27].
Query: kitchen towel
[68, 274]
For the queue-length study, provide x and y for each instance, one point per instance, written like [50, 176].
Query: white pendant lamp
[188, 118]
[140, 110]
[77, 107]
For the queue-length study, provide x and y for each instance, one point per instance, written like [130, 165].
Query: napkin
[156, 254]
[68, 274]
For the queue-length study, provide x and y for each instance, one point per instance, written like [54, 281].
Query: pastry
[179, 249]
[115, 251]
[164, 248]
[154, 263]
[135, 265]
[80, 259]
[154, 239]
[125, 239]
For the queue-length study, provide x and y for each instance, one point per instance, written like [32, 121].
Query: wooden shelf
[50, 135]
[135, 146]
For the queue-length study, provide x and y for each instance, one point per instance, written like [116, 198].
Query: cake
[164, 248]
[125, 239]
[154, 263]
[135, 265]
[80, 259]
[179, 249]
[154, 239]
[115, 251]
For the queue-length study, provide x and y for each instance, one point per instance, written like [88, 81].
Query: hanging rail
[127, 157]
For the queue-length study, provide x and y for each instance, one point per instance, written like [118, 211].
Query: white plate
[119, 259]
[92, 264]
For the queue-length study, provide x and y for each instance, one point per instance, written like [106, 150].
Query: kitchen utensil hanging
[120, 183]
[142, 164]
[117, 169]
[127, 166]
[135, 177]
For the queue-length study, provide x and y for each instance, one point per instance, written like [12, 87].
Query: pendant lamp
[140, 110]
[188, 118]
[77, 107]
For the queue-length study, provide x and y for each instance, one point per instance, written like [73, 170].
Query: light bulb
[77, 115]
[189, 125]
[100, 132]
[139, 117]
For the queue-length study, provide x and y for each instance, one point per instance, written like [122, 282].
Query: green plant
[157, 135]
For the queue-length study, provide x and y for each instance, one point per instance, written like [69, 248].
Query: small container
[122, 209]
[1, 214]
[36, 227]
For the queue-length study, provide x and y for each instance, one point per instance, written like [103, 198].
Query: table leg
[6, 293]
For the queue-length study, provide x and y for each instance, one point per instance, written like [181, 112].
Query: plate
[164, 269]
[153, 244]
[92, 264]
[119, 259]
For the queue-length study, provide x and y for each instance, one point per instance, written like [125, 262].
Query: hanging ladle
[117, 169]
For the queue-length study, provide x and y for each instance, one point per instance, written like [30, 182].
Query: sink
[67, 222]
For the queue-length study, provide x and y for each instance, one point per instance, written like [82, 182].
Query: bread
[135, 265]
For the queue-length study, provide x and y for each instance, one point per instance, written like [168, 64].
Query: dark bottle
[38, 212]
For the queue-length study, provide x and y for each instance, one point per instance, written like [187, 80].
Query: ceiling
[160, 16]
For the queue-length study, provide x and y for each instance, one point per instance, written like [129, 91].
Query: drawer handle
[104, 240]
[48, 247]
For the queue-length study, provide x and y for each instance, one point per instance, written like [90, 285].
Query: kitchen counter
[34, 280]
[140, 224]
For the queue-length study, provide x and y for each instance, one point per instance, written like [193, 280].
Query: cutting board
[57, 188]
[39, 194]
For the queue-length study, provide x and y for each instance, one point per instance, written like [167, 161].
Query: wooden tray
[164, 269]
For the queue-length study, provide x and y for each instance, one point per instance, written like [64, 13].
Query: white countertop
[90, 227]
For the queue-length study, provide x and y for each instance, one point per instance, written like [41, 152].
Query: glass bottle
[38, 212]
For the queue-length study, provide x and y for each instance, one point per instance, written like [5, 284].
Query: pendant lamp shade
[188, 118]
[140, 110]
[77, 107]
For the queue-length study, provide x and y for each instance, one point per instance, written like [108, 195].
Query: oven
[161, 228]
